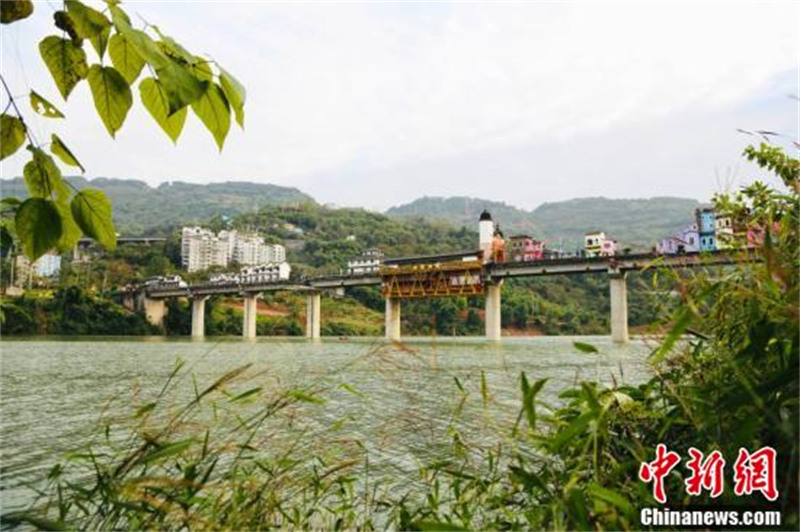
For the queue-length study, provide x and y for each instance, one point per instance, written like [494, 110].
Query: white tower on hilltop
[485, 234]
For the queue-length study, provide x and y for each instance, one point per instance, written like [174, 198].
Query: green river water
[55, 390]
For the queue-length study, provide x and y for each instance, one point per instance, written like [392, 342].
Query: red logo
[755, 472]
[751, 472]
[706, 474]
[656, 470]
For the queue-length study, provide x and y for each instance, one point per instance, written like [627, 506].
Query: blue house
[706, 231]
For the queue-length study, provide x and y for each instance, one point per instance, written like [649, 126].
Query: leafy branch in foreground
[175, 80]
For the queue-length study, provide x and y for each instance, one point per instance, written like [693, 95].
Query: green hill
[321, 237]
[634, 222]
[142, 209]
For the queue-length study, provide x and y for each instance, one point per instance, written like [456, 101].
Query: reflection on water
[55, 390]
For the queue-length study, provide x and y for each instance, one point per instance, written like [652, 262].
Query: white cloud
[367, 89]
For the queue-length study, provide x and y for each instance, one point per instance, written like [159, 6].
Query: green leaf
[125, 58]
[166, 451]
[156, 101]
[529, 394]
[201, 69]
[568, 433]
[12, 135]
[143, 410]
[65, 23]
[213, 110]
[38, 226]
[43, 107]
[235, 93]
[11, 203]
[112, 96]
[584, 348]
[70, 232]
[91, 210]
[182, 87]
[681, 323]
[245, 395]
[352, 389]
[66, 62]
[89, 24]
[171, 47]
[612, 497]
[14, 11]
[145, 46]
[577, 511]
[61, 151]
[43, 177]
[306, 398]
[6, 240]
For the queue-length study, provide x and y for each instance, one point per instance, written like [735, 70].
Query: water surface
[54, 390]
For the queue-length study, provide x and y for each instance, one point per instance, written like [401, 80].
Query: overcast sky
[376, 104]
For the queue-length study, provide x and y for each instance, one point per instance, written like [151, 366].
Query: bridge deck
[504, 270]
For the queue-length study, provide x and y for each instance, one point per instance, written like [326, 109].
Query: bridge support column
[199, 317]
[250, 313]
[154, 311]
[619, 306]
[493, 311]
[313, 315]
[129, 301]
[393, 319]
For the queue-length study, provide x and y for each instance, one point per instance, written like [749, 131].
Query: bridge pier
[129, 301]
[250, 313]
[199, 317]
[154, 311]
[618, 289]
[493, 311]
[313, 315]
[393, 319]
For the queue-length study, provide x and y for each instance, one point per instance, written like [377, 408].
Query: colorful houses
[687, 241]
[523, 248]
[710, 231]
[596, 244]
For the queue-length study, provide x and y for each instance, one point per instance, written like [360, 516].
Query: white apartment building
[276, 253]
[202, 249]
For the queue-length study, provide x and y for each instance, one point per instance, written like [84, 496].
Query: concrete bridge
[489, 281]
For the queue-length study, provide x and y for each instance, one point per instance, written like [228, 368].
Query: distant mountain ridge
[140, 208]
[634, 222]
[464, 211]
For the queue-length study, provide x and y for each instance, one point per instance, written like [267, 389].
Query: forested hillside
[634, 222]
[141, 209]
[325, 238]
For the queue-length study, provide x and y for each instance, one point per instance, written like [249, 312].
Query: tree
[56, 214]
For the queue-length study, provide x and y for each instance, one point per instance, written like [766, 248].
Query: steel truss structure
[445, 279]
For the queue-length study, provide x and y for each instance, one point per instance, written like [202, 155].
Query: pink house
[608, 248]
[524, 248]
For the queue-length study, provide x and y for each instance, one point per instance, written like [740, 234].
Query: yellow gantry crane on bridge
[438, 279]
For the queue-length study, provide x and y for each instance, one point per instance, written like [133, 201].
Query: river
[395, 400]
